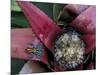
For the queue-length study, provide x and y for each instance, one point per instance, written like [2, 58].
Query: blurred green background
[18, 20]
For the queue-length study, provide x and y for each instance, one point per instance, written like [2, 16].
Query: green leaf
[18, 20]
[14, 6]
[16, 65]
[47, 8]
[57, 9]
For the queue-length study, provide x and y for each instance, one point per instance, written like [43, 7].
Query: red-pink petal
[57, 67]
[80, 67]
[20, 39]
[90, 42]
[86, 21]
[42, 25]
[75, 8]
[91, 66]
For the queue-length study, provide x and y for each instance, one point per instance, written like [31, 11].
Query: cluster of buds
[69, 50]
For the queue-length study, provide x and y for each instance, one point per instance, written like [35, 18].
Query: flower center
[69, 50]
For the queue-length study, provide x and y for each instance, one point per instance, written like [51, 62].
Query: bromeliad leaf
[47, 8]
[16, 65]
[18, 20]
[57, 9]
[14, 6]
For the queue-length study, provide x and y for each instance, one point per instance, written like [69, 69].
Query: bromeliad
[68, 46]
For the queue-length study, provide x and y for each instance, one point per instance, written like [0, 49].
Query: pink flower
[46, 32]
